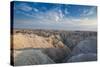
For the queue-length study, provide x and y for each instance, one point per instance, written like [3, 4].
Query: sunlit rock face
[86, 46]
[30, 57]
[83, 57]
[22, 41]
[30, 41]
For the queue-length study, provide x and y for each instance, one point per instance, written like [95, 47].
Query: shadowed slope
[57, 54]
[83, 57]
[86, 46]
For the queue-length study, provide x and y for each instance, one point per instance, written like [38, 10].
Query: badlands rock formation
[86, 46]
[30, 57]
[86, 50]
[83, 57]
[57, 54]
[51, 46]
[21, 41]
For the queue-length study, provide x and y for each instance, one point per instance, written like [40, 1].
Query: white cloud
[35, 9]
[89, 22]
[66, 11]
[89, 12]
[55, 19]
[76, 20]
[85, 21]
[54, 15]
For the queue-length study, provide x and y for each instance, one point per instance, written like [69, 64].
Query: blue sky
[35, 15]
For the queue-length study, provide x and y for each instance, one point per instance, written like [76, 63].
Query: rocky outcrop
[83, 57]
[57, 54]
[30, 57]
[49, 46]
[22, 41]
[86, 46]
[72, 38]
[55, 41]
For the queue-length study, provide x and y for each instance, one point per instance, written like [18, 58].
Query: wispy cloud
[66, 11]
[35, 9]
[55, 18]
[88, 12]
[24, 7]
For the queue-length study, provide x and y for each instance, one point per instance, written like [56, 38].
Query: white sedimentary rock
[83, 57]
[86, 46]
[31, 57]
